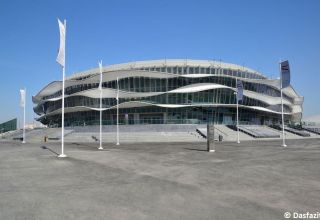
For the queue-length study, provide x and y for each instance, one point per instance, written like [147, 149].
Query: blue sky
[256, 34]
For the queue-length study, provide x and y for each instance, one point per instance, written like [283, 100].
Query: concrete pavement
[253, 180]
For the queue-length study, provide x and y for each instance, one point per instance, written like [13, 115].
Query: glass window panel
[174, 70]
[185, 70]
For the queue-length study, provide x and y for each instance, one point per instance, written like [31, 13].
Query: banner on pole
[117, 89]
[239, 90]
[61, 53]
[22, 98]
[285, 74]
[100, 68]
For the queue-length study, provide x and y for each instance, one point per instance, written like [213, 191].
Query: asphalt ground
[251, 180]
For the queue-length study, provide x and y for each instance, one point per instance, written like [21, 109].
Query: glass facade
[162, 104]
[8, 126]
[149, 84]
[158, 115]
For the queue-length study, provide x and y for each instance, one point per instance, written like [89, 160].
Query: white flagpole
[283, 135]
[238, 138]
[62, 113]
[118, 111]
[100, 87]
[24, 118]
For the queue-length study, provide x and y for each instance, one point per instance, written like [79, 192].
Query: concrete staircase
[231, 135]
[11, 134]
[37, 135]
[137, 133]
[288, 135]
[133, 137]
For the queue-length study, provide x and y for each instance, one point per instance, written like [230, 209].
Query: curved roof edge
[165, 62]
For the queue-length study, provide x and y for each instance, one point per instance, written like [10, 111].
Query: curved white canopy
[112, 93]
[57, 85]
[135, 104]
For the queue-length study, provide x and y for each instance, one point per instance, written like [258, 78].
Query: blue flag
[285, 74]
[239, 90]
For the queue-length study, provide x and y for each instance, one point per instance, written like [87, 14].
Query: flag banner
[22, 97]
[100, 68]
[285, 74]
[239, 90]
[61, 54]
[117, 89]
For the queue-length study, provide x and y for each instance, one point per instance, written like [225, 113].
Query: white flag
[61, 54]
[22, 97]
[239, 90]
[100, 67]
[117, 89]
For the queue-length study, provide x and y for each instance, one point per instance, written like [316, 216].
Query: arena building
[168, 92]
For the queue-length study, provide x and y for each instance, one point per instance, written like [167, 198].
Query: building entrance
[151, 118]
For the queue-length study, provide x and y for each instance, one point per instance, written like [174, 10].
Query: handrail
[215, 127]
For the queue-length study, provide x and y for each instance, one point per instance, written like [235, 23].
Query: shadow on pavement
[46, 148]
[194, 149]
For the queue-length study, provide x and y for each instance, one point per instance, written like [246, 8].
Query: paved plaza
[252, 180]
